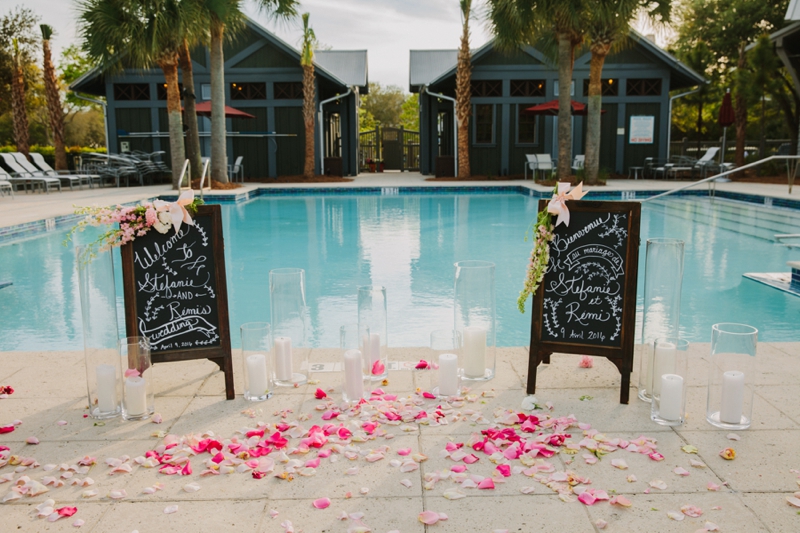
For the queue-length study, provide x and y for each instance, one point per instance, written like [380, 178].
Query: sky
[388, 29]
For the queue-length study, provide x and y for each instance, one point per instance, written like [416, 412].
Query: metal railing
[186, 171]
[791, 171]
[203, 176]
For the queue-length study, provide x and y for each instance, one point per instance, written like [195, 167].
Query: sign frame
[643, 120]
[622, 356]
[221, 354]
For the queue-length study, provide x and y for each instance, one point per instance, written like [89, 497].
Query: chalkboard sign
[586, 303]
[176, 294]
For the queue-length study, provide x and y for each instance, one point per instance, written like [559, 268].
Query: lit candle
[353, 376]
[474, 352]
[664, 361]
[448, 374]
[730, 411]
[106, 388]
[671, 402]
[258, 383]
[283, 358]
[135, 396]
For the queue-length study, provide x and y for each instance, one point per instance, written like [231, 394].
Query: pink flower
[586, 362]
[320, 394]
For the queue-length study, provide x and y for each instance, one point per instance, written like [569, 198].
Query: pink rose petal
[67, 511]
[32, 440]
[486, 483]
[794, 502]
[622, 501]
[691, 510]
[322, 503]
[378, 368]
[429, 517]
[78, 523]
[132, 373]
[587, 498]
[171, 509]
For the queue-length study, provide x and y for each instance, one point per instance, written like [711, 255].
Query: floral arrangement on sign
[135, 221]
[542, 231]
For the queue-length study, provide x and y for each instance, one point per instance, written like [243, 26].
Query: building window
[487, 88]
[248, 91]
[131, 91]
[610, 87]
[526, 125]
[288, 90]
[527, 88]
[205, 91]
[161, 91]
[643, 87]
[484, 124]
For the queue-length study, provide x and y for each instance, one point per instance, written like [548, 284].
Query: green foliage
[409, 115]
[366, 122]
[308, 41]
[384, 103]
[18, 25]
[74, 64]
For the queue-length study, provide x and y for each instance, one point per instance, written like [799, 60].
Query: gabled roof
[425, 63]
[350, 66]
[793, 11]
[92, 82]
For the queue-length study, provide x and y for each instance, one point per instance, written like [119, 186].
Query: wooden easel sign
[176, 293]
[586, 303]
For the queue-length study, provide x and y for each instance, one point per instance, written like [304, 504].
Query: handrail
[187, 167]
[790, 175]
[203, 176]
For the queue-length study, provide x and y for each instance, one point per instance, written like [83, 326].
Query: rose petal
[600, 523]
[79, 522]
[171, 509]
[733, 436]
[675, 515]
[795, 502]
[454, 494]
[157, 418]
[622, 501]
[681, 471]
[191, 487]
[406, 483]
[691, 510]
[729, 454]
[619, 463]
[132, 373]
[32, 440]
[428, 517]
[658, 484]
[322, 503]
[320, 394]
[67, 511]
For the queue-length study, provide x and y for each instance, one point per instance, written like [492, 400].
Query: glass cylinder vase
[668, 388]
[731, 376]
[372, 314]
[355, 375]
[287, 297]
[138, 400]
[663, 278]
[475, 318]
[100, 332]
[256, 344]
[446, 350]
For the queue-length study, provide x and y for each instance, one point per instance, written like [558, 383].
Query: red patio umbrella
[726, 118]
[551, 108]
[203, 109]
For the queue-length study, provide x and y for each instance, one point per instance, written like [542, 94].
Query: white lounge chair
[579, 162]
[708, 161]
[63, 175]
[5, 185]
[538, 162]
[21, 176]
[237, 169]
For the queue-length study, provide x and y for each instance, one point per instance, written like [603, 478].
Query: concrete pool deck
[50, 387]
[26, 208]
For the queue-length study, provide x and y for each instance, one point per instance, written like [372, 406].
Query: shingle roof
[793, 12]
[350, 66]
[427, 65]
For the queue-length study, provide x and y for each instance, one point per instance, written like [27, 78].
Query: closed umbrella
[551, 108]
[726, 118]
[203, 109]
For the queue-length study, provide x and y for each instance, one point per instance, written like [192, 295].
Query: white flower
[164, 222]
[529, 403]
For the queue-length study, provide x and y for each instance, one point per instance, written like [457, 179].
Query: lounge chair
[21, 176]
[579, 162]
[63, 175]
[237, 169]
[708, 162]
[537, 162]
[5, 185]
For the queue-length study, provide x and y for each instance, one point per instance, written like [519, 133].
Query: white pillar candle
[732, 404]
[474, 352]
[353, 375]
[448, 374]
[258, 382]
[664, 360]
[374, 347]
[135, 396]
[283, 358]
[671, 399]
[106, 388]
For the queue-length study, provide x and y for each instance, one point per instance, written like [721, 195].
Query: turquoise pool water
[409, 244]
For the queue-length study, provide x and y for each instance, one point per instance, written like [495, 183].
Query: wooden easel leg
[624, 393]
[230, 394]
[533, 362]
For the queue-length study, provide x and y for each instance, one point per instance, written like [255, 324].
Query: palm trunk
[762, 145]
[308, 119]
[170, 67]
[565, 51]
[463, 107]
[190, 112]
[699, 126]
[54, 110]
[219, 141]
[740, 113]
[592, 158]
[21, 137]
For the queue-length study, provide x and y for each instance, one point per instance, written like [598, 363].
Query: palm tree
[141, 34]
[463, 92]
[18, 108]
[190, 111]
[54, 109]
[607, 21]
[222, 14]
[517, 22]
[307, 62]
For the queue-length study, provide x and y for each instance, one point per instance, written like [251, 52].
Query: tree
[698, 57]
[55, 110]
[409, 116]
[384, 104]
[19, 24]
[366, 122]
[222, 14]
[309, 95]
[142, 34]
[764, 63]
[190, 111]
[21, 134]
[463, 92]
[607, 21]
[517, 22]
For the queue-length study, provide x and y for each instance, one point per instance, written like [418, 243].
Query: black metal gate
[396, 148]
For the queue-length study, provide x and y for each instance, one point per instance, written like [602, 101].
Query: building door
[608, 138]
[392, 148]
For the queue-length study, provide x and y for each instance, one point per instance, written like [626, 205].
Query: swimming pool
[409, 242]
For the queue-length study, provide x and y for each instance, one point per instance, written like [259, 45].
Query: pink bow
[558, 205]
[177, 210]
